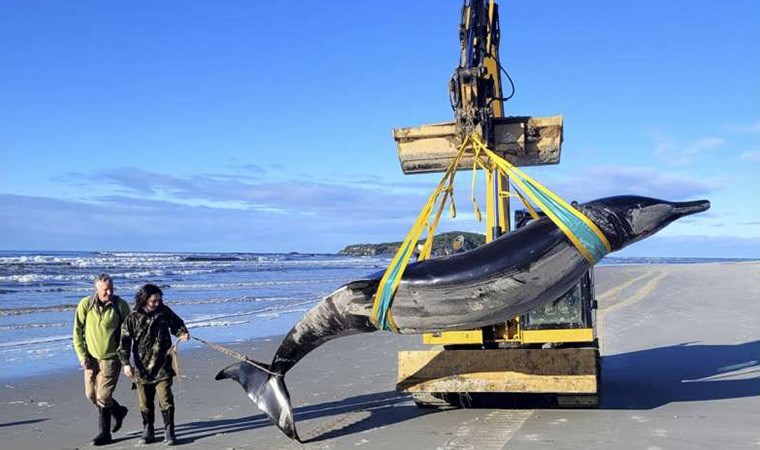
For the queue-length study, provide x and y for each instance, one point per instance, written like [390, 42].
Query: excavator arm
[475, 86]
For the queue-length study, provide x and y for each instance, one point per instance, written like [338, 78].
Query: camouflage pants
[100, 382]
[146, 394]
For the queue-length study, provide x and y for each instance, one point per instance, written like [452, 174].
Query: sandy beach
[681, 369]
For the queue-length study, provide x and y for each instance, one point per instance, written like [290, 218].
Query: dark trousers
[146, 394]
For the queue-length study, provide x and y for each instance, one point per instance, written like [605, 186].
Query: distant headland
[443, 245]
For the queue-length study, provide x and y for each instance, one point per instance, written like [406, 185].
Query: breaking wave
[225, 296]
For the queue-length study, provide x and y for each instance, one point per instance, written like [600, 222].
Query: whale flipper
[267, 391]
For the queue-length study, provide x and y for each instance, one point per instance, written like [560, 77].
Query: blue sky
[266, 126]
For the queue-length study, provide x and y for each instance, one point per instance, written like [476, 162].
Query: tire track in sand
[615, 291]
[632, 299]
[491, 431]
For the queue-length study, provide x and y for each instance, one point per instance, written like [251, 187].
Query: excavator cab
[551, 351]
[571, 317]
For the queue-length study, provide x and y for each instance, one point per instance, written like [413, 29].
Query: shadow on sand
[352, 415]
[22, 422]
[643, 379]
[687, 372]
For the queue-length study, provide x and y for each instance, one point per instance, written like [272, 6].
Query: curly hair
[144, 293]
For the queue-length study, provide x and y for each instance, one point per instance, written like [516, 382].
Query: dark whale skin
[493, 283]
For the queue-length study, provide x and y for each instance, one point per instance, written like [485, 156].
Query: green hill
[442, 245]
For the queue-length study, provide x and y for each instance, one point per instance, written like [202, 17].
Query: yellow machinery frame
[509, 357]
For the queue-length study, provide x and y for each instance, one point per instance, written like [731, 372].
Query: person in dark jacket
[146, 339]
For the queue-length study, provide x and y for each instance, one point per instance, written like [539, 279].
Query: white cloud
[604, 181]
[129, 223]
[752, 157]
[366, 199]
[672, 152]
[743, 128]
[132, 224]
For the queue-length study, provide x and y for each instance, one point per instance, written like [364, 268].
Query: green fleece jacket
[97, 329]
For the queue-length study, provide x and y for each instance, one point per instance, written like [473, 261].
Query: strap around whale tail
[582, 232]
[267, 391]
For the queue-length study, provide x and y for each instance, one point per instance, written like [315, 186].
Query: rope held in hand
[236, 355]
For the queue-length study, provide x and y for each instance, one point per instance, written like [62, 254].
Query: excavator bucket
[523, 141]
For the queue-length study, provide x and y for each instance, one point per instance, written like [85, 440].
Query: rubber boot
[118, 412]
[169, 438]
[104, 424]
[148, 434]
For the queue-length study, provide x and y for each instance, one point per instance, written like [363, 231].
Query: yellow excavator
[553, 350]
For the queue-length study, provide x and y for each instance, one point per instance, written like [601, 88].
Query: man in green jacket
[97, 329]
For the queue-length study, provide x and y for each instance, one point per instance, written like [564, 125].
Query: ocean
[222, 297]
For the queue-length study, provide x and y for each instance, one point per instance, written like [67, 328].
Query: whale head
[626, 219]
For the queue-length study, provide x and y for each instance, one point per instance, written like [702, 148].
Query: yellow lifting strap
[381, 314]
[583, 233]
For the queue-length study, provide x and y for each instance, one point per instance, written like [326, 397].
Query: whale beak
[688, 208]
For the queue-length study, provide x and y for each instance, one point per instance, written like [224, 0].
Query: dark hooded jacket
[147, 336]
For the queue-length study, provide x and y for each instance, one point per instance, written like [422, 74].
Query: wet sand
[681, 369]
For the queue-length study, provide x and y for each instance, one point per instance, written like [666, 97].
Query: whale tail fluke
[267, 391]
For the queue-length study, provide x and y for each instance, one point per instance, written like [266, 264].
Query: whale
[490, 284]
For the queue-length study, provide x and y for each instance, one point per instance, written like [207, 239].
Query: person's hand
[184, 337]
[128, 371]
[88, 363]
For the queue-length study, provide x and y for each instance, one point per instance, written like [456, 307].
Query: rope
[174, 353]
[236, 355]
